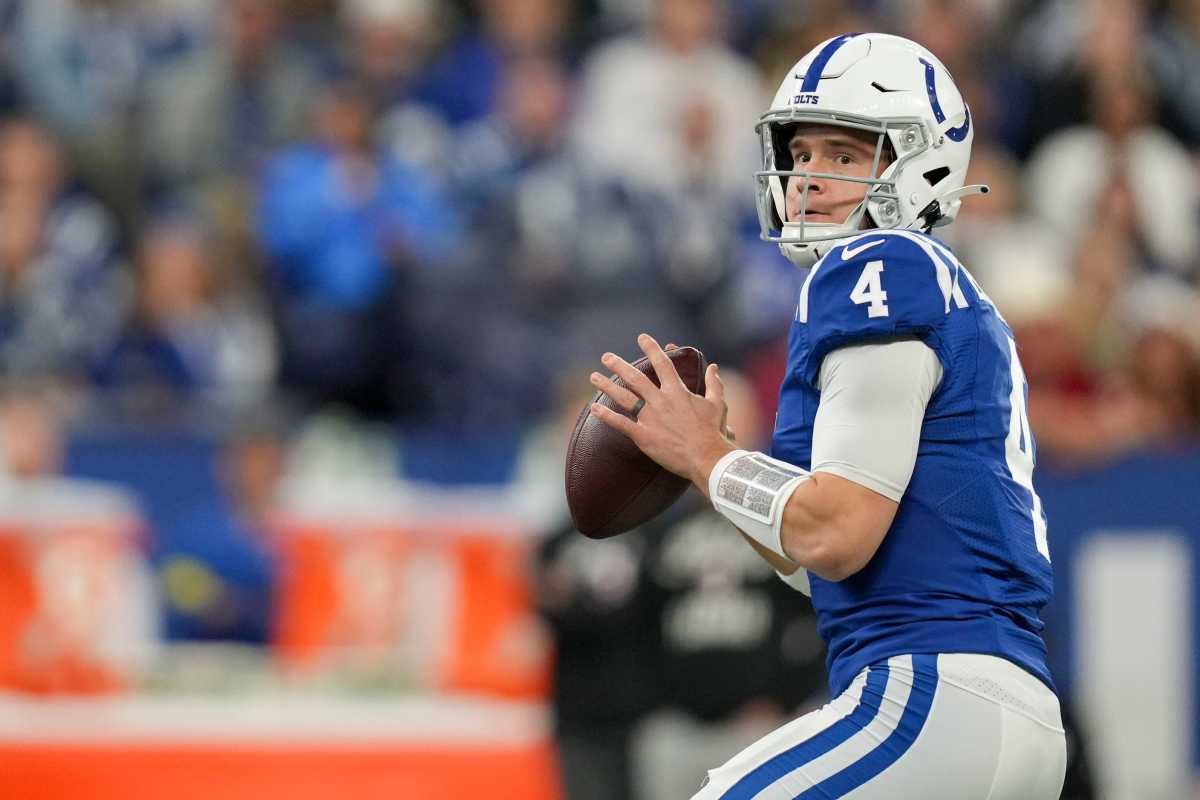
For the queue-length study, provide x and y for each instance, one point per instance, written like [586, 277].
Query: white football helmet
[878, 83]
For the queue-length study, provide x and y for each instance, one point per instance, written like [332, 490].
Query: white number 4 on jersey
[869, 289]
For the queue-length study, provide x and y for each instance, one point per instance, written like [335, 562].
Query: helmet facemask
[803, 242]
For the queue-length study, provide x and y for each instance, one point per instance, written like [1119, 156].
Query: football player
[899, 490]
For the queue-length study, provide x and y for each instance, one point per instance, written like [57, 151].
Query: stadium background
[298, 298]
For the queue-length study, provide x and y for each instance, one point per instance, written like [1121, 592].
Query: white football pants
[923, 727]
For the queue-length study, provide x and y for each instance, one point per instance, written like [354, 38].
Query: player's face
[835, 150]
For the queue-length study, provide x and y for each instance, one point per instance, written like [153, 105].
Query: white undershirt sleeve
[868, 423]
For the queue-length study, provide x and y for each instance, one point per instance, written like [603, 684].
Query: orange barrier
[142, 771]
[66, 594]
[450, 604]
[447, 604]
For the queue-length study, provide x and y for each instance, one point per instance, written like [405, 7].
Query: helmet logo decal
[812, 75]
[953, 134]
[806, 99]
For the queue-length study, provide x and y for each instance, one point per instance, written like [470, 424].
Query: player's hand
[726, 431]
[678, 429]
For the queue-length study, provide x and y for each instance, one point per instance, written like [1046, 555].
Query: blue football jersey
[965, 567]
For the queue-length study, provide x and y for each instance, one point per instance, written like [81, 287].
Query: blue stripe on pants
[781, 764]
[916, 711]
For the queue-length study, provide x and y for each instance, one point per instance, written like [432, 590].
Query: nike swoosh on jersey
[849, 253]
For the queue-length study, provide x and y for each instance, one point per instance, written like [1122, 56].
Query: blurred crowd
[428, 213]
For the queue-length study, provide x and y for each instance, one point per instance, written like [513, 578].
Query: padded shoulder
[882, 284]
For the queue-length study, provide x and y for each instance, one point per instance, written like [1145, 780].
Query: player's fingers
[668, 376]
[714, 387]
[619, 394]
[672, 346]
[641, 385]
[612, 419]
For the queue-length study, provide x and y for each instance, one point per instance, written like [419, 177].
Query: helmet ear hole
[936, 176]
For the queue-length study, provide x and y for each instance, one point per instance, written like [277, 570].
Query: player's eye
[844, 159]
[803, 157]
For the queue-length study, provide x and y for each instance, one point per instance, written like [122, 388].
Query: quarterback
[898, 492]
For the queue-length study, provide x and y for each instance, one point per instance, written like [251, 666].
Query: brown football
[612, 486]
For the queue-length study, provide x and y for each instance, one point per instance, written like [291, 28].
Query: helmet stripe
[931, 88]
[812, 75]
[954, 134]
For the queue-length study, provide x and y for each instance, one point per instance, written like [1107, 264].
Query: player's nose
[797, 185]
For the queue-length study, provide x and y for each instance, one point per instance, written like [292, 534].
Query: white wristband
[751, 490]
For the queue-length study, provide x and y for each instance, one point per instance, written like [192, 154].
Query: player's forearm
[823, 522]
[823, 533]
[810, 540]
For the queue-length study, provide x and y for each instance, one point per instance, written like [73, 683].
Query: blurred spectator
[989, 227]
[1068, 44]
[79, 63]
[1033, 290]
[521, 190]
[32, 452]
[218, 569]
[1122, 172]
[1019, 260]
[619, 15]
[385, 44]
[343, 226]
[1069, 302]
[189, 336]
[593, 597]
[1175, 61]
[81, 66]
[9, 90]
[526, 131]
[466, 82]
[62, 298]
[738, 649]
[968, 38]
[580, 255]
[490, 351]
[1162, 378]
[664, 148]
[212, 118]
[589, 593]
[797, 28]
[79, 610]
[659, 109]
